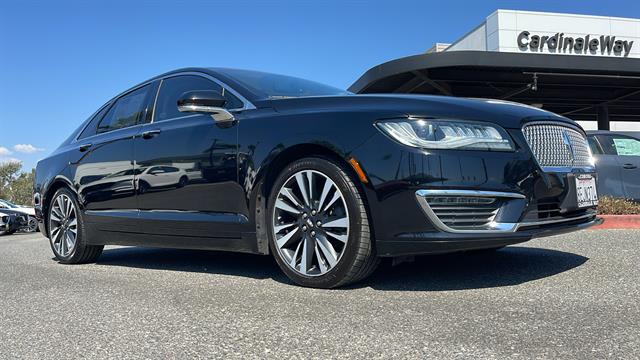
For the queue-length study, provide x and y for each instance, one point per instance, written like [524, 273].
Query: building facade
[553, 33]
[581, 66]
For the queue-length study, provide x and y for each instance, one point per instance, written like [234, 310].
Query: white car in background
[32, 224]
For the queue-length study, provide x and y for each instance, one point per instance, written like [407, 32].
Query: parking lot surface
[570, 296]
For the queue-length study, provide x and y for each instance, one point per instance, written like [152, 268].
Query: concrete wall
[474, 40]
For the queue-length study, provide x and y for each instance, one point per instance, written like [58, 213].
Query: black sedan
[326, 181]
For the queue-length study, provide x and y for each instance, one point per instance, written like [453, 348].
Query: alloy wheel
[32, 224]
[310, 223]
[63, 225]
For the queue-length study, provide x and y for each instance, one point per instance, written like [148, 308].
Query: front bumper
[539, 202]
[443, 242]
[13, 224]
[515, 219]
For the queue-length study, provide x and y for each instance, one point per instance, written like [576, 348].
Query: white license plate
[586, 191]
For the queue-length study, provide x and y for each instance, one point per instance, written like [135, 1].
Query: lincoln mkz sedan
[326, 181]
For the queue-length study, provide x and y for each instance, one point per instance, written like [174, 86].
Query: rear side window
[91, 129]
[172, 88]
[126, 111]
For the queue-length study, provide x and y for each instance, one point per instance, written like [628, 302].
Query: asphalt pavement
[570, 296]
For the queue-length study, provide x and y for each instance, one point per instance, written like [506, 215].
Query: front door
[609, 181]
[627, 152]
[186, 168]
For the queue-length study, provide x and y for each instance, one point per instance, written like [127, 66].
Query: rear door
[627, 151]
[187, 168]
[103, 162]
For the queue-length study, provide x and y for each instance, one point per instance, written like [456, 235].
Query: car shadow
[459, 271]
[474, 270]
[201, 261]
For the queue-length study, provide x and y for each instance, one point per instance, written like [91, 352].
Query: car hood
[25, 210]
[504, 113]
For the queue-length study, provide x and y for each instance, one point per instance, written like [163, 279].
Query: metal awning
[579, 87]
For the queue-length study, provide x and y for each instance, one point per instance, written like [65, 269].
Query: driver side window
[172, 88]
[620, 145]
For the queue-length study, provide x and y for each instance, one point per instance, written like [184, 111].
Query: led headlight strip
[447, 134]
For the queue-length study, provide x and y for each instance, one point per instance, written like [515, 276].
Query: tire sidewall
[353, 203]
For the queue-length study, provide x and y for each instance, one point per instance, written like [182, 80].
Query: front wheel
[67, 235]
[319, 228]
[32, 225]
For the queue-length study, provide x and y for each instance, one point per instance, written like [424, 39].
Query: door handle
[629, 166]
[84, 147]
[150, 133]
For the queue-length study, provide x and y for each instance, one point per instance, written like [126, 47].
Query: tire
[143, 187]
[32, 224]
[350, 261]
[183, 181]
[79, 252]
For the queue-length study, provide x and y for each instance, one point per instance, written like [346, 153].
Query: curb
[619, 222]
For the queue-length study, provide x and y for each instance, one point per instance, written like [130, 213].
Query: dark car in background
[617, 160]
[32, 223]
[326, 181]
[8, 224]
[12, 221]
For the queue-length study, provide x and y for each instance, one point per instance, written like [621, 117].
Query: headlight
[447, 134]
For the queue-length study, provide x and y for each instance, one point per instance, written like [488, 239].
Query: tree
[16, 186]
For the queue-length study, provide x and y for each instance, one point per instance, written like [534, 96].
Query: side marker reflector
[354, 164]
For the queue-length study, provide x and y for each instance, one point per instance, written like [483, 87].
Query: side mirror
[205, 101]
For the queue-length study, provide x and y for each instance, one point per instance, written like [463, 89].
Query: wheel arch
[56, 184]
[274, 168]
[299, 151]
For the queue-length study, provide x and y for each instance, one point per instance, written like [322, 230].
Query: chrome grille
[464, 212]
[557, 145]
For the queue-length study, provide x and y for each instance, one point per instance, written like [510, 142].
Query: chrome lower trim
[478, 193]
[422, 194]
[554, 221]
[496, 227]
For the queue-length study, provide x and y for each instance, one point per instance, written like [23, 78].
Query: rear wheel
[67, 234]
[183, 181]
[319, 231]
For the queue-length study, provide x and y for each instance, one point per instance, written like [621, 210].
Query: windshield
[273, 86]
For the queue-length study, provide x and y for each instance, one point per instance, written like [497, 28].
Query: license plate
[586, 191]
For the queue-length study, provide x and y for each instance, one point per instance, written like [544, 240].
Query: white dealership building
[514, 31]
[582, 66]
